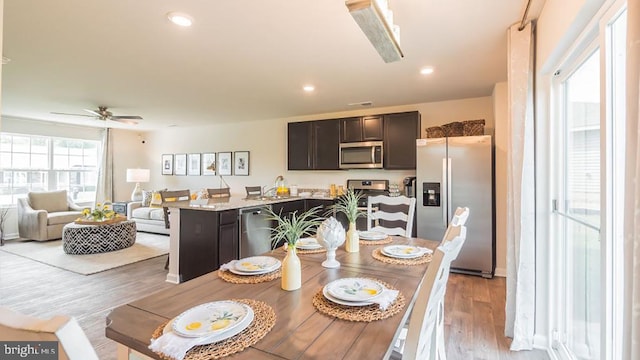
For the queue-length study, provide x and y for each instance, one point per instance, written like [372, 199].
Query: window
[39, 163]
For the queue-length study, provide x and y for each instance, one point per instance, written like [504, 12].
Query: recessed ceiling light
[308, 88]
[426, 70]
[180, 19]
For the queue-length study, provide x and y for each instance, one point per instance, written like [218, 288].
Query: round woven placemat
[386, 240]
[367, 313]
[228, 276]
[263, 321]
[378, 255]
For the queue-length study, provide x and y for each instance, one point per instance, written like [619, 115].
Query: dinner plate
[354, 289]
[210, 318]
[326, 294]
[222, 335]
[372, 235]
[308, 243]
[249, 273]
[257, 264]
[404, 251]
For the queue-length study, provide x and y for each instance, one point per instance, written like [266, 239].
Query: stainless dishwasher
[255, 231]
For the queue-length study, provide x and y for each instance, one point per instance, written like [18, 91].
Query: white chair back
[423, 340]
[460, 216]
[374, 216]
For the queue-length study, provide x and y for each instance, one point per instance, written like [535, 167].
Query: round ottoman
[92, 239]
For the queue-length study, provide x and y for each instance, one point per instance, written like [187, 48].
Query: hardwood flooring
[474, 309]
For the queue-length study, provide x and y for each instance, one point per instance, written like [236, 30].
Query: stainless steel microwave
[361, 155]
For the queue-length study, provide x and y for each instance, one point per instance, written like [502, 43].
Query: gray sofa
[42, 215]
[148, 219]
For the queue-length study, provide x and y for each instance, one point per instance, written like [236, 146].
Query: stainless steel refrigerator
[452, 172]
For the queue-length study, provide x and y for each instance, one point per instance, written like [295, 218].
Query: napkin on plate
[386, 298]
[174, 346]
[229, 265]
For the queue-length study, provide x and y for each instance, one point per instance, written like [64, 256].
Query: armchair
[42, 215]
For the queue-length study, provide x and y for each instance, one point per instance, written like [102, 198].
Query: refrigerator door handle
[449, 199]
[444, 199]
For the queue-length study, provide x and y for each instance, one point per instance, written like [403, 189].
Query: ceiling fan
[104, 114]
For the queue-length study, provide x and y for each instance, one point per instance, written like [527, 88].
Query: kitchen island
[205, 234]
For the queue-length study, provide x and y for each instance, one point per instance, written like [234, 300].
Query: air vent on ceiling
[362, 103]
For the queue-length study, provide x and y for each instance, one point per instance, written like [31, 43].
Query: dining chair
[219, 193]
[407, 208]
[423, 338]
[72, 342]
[169, 196]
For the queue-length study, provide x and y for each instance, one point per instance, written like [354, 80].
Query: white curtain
[520, 302]
[632, 188]
[104, 189]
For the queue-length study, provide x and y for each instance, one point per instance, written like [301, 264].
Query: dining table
[300, 330]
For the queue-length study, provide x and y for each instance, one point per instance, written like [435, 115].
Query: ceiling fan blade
[123, 117]
[95, 113]
[59, 113]
[126, 120]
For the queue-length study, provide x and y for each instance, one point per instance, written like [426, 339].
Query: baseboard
[173, 278]
[541, 342]
[501, 272]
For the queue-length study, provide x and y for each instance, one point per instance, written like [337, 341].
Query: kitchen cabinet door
[198, 243]
[350, 129]
[400, 133]
[326, 145]
[367, 128]
[324, 204]
[299, 145]
[372, 128]
[228, 248]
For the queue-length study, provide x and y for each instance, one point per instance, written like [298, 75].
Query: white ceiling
[241, 60]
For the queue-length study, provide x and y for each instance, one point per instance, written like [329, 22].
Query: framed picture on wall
[224, 163]
[193, 164]
[180, 164]
[208, 163]
[241, 163]
[167, 164]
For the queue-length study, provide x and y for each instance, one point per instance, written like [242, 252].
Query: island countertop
[235, 202]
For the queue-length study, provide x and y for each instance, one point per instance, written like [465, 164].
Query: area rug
[147, 246]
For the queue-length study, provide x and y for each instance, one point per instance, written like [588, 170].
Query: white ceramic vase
[331, 235]
[353, 239]
[291, 270]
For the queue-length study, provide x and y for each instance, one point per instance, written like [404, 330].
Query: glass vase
[353, 239]
[291, 270]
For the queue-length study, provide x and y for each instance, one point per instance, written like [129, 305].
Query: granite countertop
[235, 202]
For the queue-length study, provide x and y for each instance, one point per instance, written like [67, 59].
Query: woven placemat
[263, 321]
[367, 313]
[228, 276]
[309, 251]
[386, 240]
[378, 255]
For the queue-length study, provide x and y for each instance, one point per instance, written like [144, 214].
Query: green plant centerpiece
[102, 212]
[348, 205]
[289, 229]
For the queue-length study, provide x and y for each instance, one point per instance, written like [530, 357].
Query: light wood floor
[474, 310]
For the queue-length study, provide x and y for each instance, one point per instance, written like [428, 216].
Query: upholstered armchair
[42, 215]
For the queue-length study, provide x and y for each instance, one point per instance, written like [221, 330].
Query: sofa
[42, 215]
[148, 218]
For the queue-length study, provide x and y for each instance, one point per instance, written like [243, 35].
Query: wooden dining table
[300, 330]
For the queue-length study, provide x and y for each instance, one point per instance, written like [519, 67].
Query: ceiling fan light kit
[376, 21]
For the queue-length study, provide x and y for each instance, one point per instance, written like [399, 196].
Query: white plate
[256, 264]
[308, 243]
[354, 289]
[404, 251]
[224, 334]
[372, 235]
[343, 302]
[249, 273]
[210, 318]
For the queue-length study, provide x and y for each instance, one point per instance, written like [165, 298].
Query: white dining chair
[374, 214]
[423, 338]
[72, 341]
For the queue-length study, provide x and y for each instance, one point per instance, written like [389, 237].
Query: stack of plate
[308, 243]
[372, 235]
[212, 322]
[404, 251]
[353, 291]
[255, 265]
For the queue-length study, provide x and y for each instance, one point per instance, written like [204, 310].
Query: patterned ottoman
[93, 239]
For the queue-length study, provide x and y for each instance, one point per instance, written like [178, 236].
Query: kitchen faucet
[273, 191]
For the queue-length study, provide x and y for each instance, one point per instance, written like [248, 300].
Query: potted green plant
[348, 205]
[290, 229]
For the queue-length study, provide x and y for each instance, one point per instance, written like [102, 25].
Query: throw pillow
[156, 200]
[147, 195]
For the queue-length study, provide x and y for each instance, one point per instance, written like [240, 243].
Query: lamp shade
[138, 175]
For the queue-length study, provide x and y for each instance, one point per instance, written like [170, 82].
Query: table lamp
[137, 176]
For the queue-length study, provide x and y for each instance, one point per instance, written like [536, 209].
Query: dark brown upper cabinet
[366, 128]
[400, 133]
[313, 145]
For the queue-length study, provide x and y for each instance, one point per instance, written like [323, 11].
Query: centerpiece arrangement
[289, 230]
[102, 213]
[348, 205]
